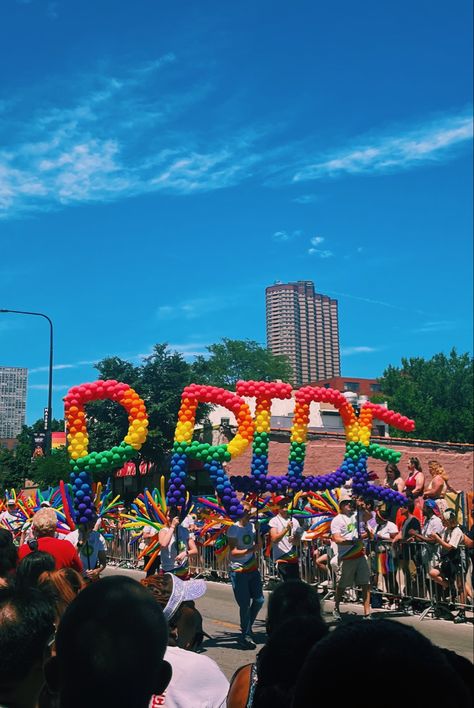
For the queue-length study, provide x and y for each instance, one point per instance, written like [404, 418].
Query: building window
[351, 386]
[375, 387]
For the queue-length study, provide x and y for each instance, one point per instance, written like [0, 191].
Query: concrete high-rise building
[303, 324]
[12, 400]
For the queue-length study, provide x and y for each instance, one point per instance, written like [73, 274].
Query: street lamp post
[50, 379]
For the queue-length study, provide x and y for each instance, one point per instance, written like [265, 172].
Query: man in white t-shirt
[92, 549]
[244, 575]
[431, 525]
[149, 533]
[353, 568]
[10, 518]
[285, 535]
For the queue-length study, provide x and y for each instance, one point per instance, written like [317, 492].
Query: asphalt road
[221, 616]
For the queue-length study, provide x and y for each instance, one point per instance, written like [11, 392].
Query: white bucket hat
[183, 591]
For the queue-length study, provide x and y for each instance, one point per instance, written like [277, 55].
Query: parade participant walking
[353, 568]
[285, 535]
[148, 533]
[44, 529]
[176, 545]
[92, 549]
[244, 575]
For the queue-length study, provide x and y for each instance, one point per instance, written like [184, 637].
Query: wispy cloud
[44, 387]
[305, 199]
[371, 301]
[193, 309]
[440, 326]
[350, 351]
[114, 135]
[56, 367]
[285, 236]
[314, 250]
[406, 149]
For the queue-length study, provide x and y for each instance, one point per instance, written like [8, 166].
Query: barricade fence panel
[400, 575]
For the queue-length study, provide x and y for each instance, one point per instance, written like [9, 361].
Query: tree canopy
[437, 393]
[234, 359]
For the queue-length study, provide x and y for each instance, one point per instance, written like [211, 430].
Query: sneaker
[367, 617]
[246, 642]
[336, 615]
[460, 619]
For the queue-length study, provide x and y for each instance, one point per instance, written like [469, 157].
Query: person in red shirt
[44, 529]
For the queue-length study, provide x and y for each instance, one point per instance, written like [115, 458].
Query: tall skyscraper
[303, 324]
[12, 400]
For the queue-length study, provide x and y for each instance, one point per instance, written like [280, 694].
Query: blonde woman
[438, 485]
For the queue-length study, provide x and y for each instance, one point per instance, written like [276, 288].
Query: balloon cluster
[211, 455]
[264, 393]
[83, 462]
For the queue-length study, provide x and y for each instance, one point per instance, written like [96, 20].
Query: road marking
[231, 625]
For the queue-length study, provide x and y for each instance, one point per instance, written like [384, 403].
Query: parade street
[220, 621]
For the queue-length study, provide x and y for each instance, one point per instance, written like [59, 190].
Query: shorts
[353, 572]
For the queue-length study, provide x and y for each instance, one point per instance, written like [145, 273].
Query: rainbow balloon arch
[251, 430]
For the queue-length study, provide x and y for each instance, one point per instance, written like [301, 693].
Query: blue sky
[162, 163]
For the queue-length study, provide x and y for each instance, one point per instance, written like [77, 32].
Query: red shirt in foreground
[63, 552]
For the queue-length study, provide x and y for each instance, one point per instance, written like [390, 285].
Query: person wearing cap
[449, 572]
[196, 680]
[44, 529]
[285, 536]
[27, 528]
[244, 574]
[92, 549]
[432, 524]
[10, 518]
[353, 568]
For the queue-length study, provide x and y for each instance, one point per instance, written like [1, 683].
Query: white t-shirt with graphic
[245, 538]
[284, 546]
[196, 682]
[346, 526]
[89, 550]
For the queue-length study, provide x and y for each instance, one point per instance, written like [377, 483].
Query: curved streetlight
[50, 382]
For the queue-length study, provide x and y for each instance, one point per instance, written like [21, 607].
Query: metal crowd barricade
[399, 575]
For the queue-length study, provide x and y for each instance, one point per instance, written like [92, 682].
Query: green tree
[437, 393]
[159, 380]
[234, 359]
[47, 471]
[10, 474]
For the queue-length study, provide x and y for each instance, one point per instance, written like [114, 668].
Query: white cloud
[439, 326]
[284, 236]
[407, 149]
[305, 199]
[350, 351]
[45, 387]
[194, 309]
[320, 253]
[56, 367]
[316, 240]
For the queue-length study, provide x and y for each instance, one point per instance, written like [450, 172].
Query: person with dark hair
[287, 602]
[44, 529]
[393, 478]
[8, 556]
[110, 645]
[92, 549]
[384, 533]
[281, 659]
[197, 680]
[353, 568]
[176, 545]
[244, 575]
[356, 652]
[406, 550]
[31, 567]
[26, 635]
[285, 536]
[415, 482]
